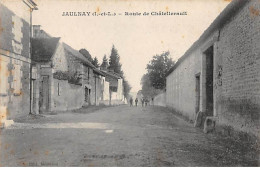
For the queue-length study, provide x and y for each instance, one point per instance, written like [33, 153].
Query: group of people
[144, 102]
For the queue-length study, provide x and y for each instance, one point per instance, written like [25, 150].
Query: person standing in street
[146, 102]
[136, 101]
[142, 102]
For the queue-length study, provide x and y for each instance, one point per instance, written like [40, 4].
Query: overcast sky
[137, 38]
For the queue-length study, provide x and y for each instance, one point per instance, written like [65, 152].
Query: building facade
[220, 74]
[113, 93]
[65, 79]
[15, 59]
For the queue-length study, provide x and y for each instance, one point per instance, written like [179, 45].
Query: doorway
[209, 80]
[87, 95]
[44, 94]
[197, 91]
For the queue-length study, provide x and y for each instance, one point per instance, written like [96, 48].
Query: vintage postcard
[129, 83]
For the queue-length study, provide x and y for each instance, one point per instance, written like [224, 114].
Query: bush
[60, 75]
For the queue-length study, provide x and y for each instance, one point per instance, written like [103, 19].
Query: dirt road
[117, 136]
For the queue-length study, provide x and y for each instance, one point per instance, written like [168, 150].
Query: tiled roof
[76, 54]
[218, 23]
[43, 48]
[99, 72]
[111, 74]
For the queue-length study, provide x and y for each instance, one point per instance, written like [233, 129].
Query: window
[4, 74]
[59, 89]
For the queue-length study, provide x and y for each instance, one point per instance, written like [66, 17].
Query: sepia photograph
[129, 83]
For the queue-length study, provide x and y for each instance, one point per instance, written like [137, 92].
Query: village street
[117, 136]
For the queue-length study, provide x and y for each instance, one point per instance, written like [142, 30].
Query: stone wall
[66, 96]
[14, 60]
[91, 82]
[59, 61]
[98, 88]
[15, 92]
[160, 99]
[236, 73]
[120, 90]
[15, 28]
[181, 83]
[105, 89]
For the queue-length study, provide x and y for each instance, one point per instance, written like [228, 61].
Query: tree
[127, 88]
[95, 62]
[114, 61]
[158, 68]
[104, 64]
[86, 54]
[114, 64]
[148, 90]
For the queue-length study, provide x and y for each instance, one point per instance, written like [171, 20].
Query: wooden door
[197, 108]
[209, 81]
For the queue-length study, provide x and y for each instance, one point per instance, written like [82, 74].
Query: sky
[137, 38]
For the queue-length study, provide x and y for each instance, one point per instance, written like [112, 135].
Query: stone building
[114, 83]
[100, 86]
[15, 58]
[219, 75]
[65, 78]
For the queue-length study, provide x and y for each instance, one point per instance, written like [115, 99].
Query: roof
[76, 54]
[219, 22]
[111, 74]
[43, 48]
[98, 72]
[31, 4]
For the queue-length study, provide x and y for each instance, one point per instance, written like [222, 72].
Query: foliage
[148, 90]
[127, 88]
[154, 81]
[60, 75]
[74, 78]
[95, 62]
[114, 64]
[86, 54]
[158, 68]
[105, 62]
[114, 61]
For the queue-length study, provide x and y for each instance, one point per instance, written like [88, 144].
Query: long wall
[61, 95]
[236, 73]
[180, 86]
[160, 99]
[237, 63]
